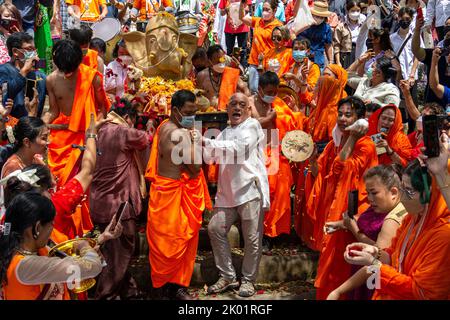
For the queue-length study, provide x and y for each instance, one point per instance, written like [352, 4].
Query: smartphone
[30, 84]
[4, 91]
[5, 23]
[40, 64]
[352, 203]
[431, 135]
[376, 138]
[419, 13]
[123, 206]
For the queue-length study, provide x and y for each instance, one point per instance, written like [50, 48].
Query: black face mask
[369, 44]
[404, 24]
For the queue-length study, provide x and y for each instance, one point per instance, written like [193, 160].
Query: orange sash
[230, 78]
[62, 158]
[90, 59]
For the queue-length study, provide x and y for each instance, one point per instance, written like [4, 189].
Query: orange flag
[174, 220]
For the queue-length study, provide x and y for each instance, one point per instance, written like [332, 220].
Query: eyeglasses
[410, 193]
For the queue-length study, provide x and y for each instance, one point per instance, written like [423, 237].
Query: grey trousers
[252, 217]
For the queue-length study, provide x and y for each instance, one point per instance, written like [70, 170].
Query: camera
[5, 23]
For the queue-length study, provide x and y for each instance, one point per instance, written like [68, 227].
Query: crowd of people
[80, 158]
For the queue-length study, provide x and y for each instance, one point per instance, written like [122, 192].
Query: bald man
[243, 193]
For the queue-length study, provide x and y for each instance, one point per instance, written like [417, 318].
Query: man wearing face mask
[320, 35]
[16, 72]
[116, 73]
[83, 37]
[401, 43]
[219, 81]
[277, 119]
[178, 197]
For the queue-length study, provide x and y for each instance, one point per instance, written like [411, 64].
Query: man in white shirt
[401, 43]
[243, 193]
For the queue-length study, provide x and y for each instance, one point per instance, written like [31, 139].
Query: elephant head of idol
[162, 50]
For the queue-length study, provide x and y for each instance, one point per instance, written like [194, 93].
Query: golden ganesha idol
[162, 50]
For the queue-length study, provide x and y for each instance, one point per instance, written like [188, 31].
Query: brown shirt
[116, 176]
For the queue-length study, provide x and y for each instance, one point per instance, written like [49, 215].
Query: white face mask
[354, 15]
[126, 60]
[219, 68]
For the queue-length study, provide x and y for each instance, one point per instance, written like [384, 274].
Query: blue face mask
[369, 73]
[298, 55]
[268, 99]
[186, 121]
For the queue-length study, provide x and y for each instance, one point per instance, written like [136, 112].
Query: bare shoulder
[202, 75]
[51, 78]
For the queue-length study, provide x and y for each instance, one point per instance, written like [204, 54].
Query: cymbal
[297, 146]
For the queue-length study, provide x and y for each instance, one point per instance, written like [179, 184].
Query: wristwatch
[91, 135]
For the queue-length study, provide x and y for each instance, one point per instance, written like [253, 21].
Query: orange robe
[174, 220]
[278, 219]
[320, 125]
[322, 118]
[328, 201]
[284, 58]
[396, 138]
[426, 266]
[63, 160]
[229, 82]
[90, 59]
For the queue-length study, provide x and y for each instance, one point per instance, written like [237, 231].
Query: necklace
[26, 252]
[215, 84]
